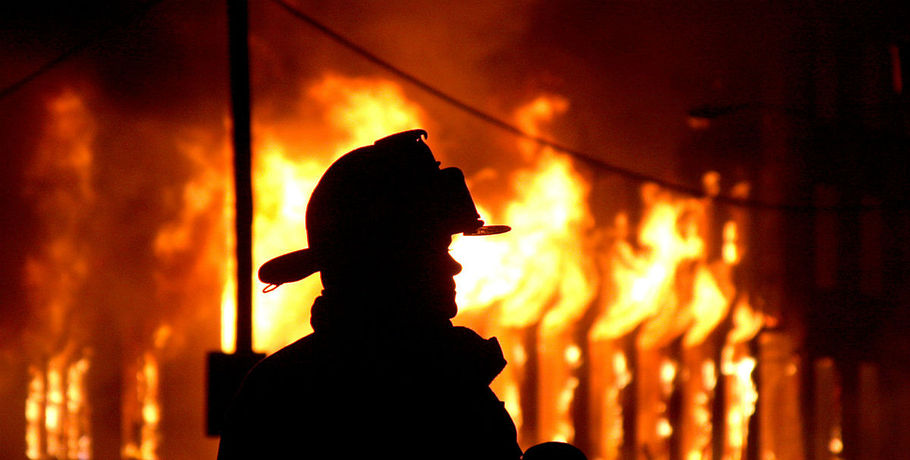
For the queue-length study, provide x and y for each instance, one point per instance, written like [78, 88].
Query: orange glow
[229, 290]
[77, 420]
[742, 397]
[667, 375]
[737, 366]
[641, 284]
[836, 444]
[622, 377]
[147, 379]
[229, 311]
[142, 404]
[194, 249]
[701, 413]
[34, 411]
[730, 248]
[573, 355]
[549, 220]
[56, 410]
[746, 323]
[537, 273]
[59, 179]
[709, 307]
[666, 286]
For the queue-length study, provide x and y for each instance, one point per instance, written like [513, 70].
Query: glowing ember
[573, 355]
[836, 444]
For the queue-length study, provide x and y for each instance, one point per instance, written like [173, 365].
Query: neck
[360, 308]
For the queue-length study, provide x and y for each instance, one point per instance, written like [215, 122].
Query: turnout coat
[373, 383]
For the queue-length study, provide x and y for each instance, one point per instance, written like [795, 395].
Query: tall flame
[538, 274]
[59, 179]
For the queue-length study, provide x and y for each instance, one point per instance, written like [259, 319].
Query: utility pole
[243, 223]
[226, 371]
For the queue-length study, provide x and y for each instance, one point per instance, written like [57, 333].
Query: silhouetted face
[424, 274]
[433, 274]
[414, 272]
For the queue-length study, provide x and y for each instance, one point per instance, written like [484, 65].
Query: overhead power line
[129, 18]
[579, 155]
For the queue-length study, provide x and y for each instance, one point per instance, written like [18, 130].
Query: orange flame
[549, 218]
[142, 443]
[537, 273]
[59, 179]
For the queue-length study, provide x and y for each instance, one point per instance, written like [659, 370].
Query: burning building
[730, 285]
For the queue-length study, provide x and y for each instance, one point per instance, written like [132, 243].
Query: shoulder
[280, 365]
[270, 400]
[303, 350]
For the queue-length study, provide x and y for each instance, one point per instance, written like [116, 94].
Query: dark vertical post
[225, 372]
[243, 190]
[529, 386]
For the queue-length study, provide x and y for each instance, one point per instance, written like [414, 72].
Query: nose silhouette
[454, 266]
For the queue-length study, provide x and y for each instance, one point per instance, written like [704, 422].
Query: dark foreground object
[554, 451]
[350, 390]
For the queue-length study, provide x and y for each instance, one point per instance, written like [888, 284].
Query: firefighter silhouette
[385, 373]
